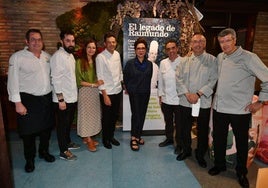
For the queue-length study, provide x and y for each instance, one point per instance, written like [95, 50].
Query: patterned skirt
[89, 112]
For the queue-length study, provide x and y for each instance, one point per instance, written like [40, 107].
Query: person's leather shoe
[29, 166]
[215, 170]
[166, 143]
[114, 142]
[177, 150]
[243, 181]
[202, 163]
[183, 156]
[107, 144]
[47, 157]
[200, 160]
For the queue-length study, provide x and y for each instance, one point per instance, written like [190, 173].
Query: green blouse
[88, 76]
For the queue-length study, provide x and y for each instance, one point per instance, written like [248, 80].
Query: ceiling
[228, 13]
[248, 6]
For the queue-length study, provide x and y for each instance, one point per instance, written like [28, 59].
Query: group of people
[187, 92]
[188, 87]
[47, 90]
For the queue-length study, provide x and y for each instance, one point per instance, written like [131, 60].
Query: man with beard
[29, 88]
[64, 93]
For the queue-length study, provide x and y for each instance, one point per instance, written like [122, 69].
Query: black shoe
[243, 181]
[183, 155]
[47, 157]
[177, 150]
[166, 143]
[200, 160]
[202, 163]
[107, 144]
[114, 142]
[215, 170]
[29, 166]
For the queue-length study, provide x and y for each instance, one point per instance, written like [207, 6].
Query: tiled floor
[120, 167]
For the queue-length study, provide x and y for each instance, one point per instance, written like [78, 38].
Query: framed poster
[156, 32]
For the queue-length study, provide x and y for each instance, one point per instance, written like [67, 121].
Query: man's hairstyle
[27, 35]
[198, 33]
[67, 32]
[108, 35]
[227, 31]
[171, 41]
[140, 40]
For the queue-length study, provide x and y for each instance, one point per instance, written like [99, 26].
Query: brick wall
[260, 46]
[17, 16]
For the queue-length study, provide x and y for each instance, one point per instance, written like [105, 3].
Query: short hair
[108, 35]
[198, 33]
[140, 40]
[171, 41]
[27, 35]
[67, 32]
[227, 31]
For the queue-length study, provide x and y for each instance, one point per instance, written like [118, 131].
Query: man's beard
[69, 49]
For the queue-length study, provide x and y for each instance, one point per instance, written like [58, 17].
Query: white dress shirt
[109, 69]
[63, 76]
[167, 81]
[28, 73]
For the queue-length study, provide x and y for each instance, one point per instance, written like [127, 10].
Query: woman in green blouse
[89, 113]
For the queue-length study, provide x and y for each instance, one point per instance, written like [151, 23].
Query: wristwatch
[61, 100]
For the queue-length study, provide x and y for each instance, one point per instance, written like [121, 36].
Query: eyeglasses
[198, 41]
[225, 41]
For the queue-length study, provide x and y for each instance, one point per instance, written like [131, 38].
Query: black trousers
[138, 106]
[109, 115]
[240, 126]
[64, 122]
[171, 117]
[29, 144]
[185, 126]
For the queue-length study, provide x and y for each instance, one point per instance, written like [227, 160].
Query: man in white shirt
[196, 78]
[109, 71]
[64, 93]
[29, 88]
[238, 69]
[168, 96]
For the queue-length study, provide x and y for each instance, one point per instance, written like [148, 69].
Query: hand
[100, 82]
[254, 107]
[192, 97]
[20, 108]
[107, 100]
[62, 105]
[160, 100]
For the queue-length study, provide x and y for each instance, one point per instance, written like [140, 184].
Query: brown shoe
[91, 146]
[85, 140]
[95, 142]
